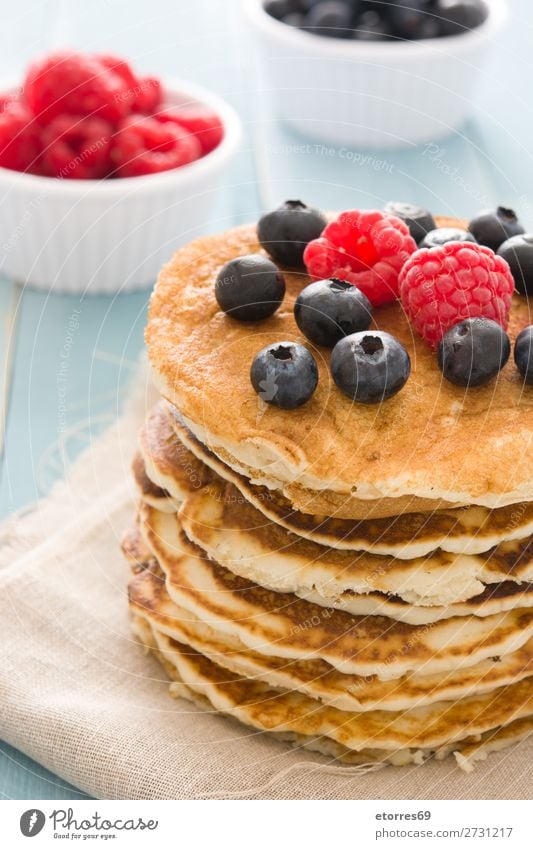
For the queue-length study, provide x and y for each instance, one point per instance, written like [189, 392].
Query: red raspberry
[119, 66]
[201, 121]
[441, 286]
[77, 148]
[7, 100]
[144, 146]
[20, 142]
[149, 95]
[77, 85]
[367, 248]
[143, 94]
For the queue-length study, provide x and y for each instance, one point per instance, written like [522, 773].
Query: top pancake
[433, 440]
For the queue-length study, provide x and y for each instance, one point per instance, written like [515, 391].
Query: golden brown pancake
[160, 449]
[466, 751]
[323, 502]
[233, 533]
[433, 440]
[267, 709]
[149, 599]
[463, 530]
[151, 493]
[282, 625]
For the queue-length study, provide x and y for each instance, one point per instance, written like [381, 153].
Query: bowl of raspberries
[104, 172]
[377, 73]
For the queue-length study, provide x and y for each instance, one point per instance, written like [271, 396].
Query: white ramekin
[381, 94]
[111, 235]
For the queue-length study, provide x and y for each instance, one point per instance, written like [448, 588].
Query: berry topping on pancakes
[365, 247]
[493, 227]
[441, 235]
[249, 288]
[327, 310]
[284, 374]
[473, 352]
[370, 367]
[419, 220]
[285, 232]
[523, 354]
[439, 287]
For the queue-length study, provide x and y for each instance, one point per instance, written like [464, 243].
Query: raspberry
[77, 148]
[120, 67]
[20, 142]
[367, 248]
[149, 95]
[440, 287]
[145, 146]
[77, 85]
[143, 94]
[198, 120]
[7, 101]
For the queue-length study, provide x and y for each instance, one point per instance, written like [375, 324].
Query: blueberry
[370, 366]
[419, 220]
[330, 18]
[249, 288]
[518, 253]
[371, 26]
[304, 6]
[493, 227]
[473, 351]
[414, 20]
[523, 354]
[285, 232]
[327, 310]
[442, 235]
[284, 374]
[278, 8]
[294, 19]
[457, 16]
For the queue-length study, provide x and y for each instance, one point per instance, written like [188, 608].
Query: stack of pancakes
[356, 580]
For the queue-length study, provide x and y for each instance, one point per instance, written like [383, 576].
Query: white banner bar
[267, 824]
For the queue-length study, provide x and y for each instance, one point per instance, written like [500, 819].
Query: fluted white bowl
[382, 94]
[105, 236]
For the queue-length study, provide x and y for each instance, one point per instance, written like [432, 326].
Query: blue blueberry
[457, 16]
[284, 374]
[493, 227]
[518, 253]
[523, 354]
[294, 19]
[473, 351]
[442, 235]
[418, 219]
[249, 288]
[371, 26]
[285, 232]
[414, 20]
[370, 366]
[332, 18]
[278, 8]
[327, 310]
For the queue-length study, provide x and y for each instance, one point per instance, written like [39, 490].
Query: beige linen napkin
[78, 694]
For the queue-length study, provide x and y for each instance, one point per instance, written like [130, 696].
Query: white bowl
[380, 94]
[106, 236]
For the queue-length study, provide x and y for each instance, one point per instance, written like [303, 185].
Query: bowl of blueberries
[376, 73]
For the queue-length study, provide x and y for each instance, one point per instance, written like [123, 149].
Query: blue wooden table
[489, 161]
